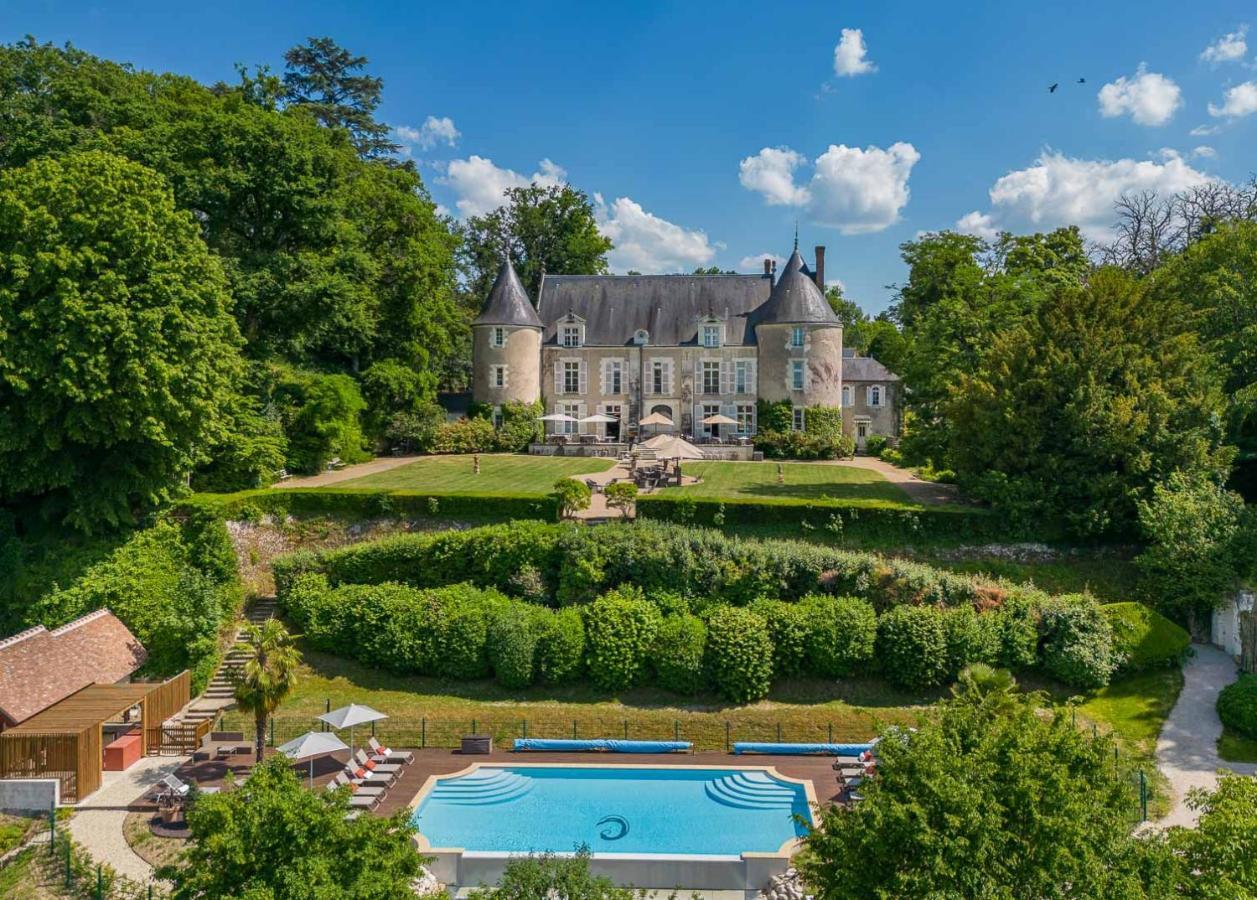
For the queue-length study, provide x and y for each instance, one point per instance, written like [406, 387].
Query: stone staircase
[220, 692]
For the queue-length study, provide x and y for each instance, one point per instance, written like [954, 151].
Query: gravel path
[381, 464]
[97, 821]
[1187, 750]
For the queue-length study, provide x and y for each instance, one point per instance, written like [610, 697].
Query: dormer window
[571, 331]
[711, 335]
[497, 339]
[641, 337]
[796, 336]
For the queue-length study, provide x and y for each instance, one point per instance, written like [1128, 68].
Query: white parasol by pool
[310, 745]
[350, 716]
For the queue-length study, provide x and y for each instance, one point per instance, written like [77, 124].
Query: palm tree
[986, 686]
[268, 674]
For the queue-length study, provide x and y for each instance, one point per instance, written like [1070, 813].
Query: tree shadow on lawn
[354, 678]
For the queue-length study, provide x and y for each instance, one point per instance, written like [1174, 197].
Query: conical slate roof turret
[795, 299]
[508, 302]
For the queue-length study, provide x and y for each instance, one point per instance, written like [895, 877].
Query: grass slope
[803, 481]
[505, 474]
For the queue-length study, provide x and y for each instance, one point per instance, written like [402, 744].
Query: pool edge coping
[788, 849]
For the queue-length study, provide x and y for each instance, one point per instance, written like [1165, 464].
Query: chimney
[768, 267]
[820, 268]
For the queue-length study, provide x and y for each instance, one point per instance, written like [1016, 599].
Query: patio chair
[365, 762]
[369, 779]
[175, 787]
[343, 780]
[382, 754]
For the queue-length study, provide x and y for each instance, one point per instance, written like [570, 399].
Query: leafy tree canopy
[991, 799]
[545, 229]
[328, 81]
[271, 838]
[119, 357]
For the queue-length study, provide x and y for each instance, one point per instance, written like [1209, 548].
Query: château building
[687, 346]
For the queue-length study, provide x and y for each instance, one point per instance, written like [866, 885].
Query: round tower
[800, 342]
[506, 344]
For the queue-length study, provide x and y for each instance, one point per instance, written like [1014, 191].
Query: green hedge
[364, 503]
[1143, 638]
[1237, 706]
[739, 654]
[679, 654]
[872, 520]
[819, 606]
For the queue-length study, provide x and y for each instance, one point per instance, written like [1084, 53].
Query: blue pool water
[616, 809]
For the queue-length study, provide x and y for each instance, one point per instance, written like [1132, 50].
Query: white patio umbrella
[310, 745]
[349, 716]
[599, 419]
[656, 419]
[669, 446]
[558, 417]
[719, 420]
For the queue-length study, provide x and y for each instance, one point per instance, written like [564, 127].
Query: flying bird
[1082, 81]
[1052, 89]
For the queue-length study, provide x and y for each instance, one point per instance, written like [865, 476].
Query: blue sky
[707, 129]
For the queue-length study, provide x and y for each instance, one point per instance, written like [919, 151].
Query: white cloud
[1241, 100]
[1205, 130]
[978, 223]
[1058, 190]
[755, 263]
[1204, 151]
[852, 189]
[433, 131]
[1148, 98]
[480, 184]
[647, 243]
[771, 173]
[1228, 48]
[850, 54]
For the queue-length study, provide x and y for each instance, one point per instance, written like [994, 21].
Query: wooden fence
[67, 757]
[162, 703]
[176, 738]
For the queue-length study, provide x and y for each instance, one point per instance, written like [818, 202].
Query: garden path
[359, 470]
[97, 821]
[1187, 749]
[931, 493]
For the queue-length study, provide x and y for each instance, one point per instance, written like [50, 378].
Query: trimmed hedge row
[1237, 706]
[635, 631]
[567, 564]
[868, 519]
[364, 503]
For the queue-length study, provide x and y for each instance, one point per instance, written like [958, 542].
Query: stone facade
[685, 346]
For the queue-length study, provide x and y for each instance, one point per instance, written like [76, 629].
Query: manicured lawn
[437, 712]
[802, 481]
[508, 474]
[1236, 748]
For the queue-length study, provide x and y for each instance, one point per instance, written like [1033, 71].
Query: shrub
[1018, 628]
[874, 444]
[802, 445]
[474, 435]
[739, 654]
[1237, 706]
[971, 638]
[620, 629]
[841, 635]
[560, 645]
[520, 426]
[679, 654]
[789, 628]
[571, 496]
[463, 635]
[513, 645]
[415, 431]
[320, 414]
[391, 388]
[1143, 638]
[912, 646]
[1077, 643]
[621, 495]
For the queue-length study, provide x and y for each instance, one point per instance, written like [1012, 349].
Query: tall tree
[118, 353]
[545, 229]
[329, 81]
[989, 799]
[271, 837]
[1077, 412]
[268, 673]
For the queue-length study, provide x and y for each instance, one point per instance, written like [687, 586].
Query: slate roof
[669, 307]
[865, 368]
[795, 299]
[508, 303]
[39, 667]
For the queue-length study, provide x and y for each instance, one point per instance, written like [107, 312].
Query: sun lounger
[342, 780]
[381, 754]
[370, 779]
[370, 765]
[362, 801]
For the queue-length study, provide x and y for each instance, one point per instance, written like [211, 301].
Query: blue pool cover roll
[610, 746]
[802, 749]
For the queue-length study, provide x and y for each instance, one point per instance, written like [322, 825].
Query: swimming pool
[618, 809]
